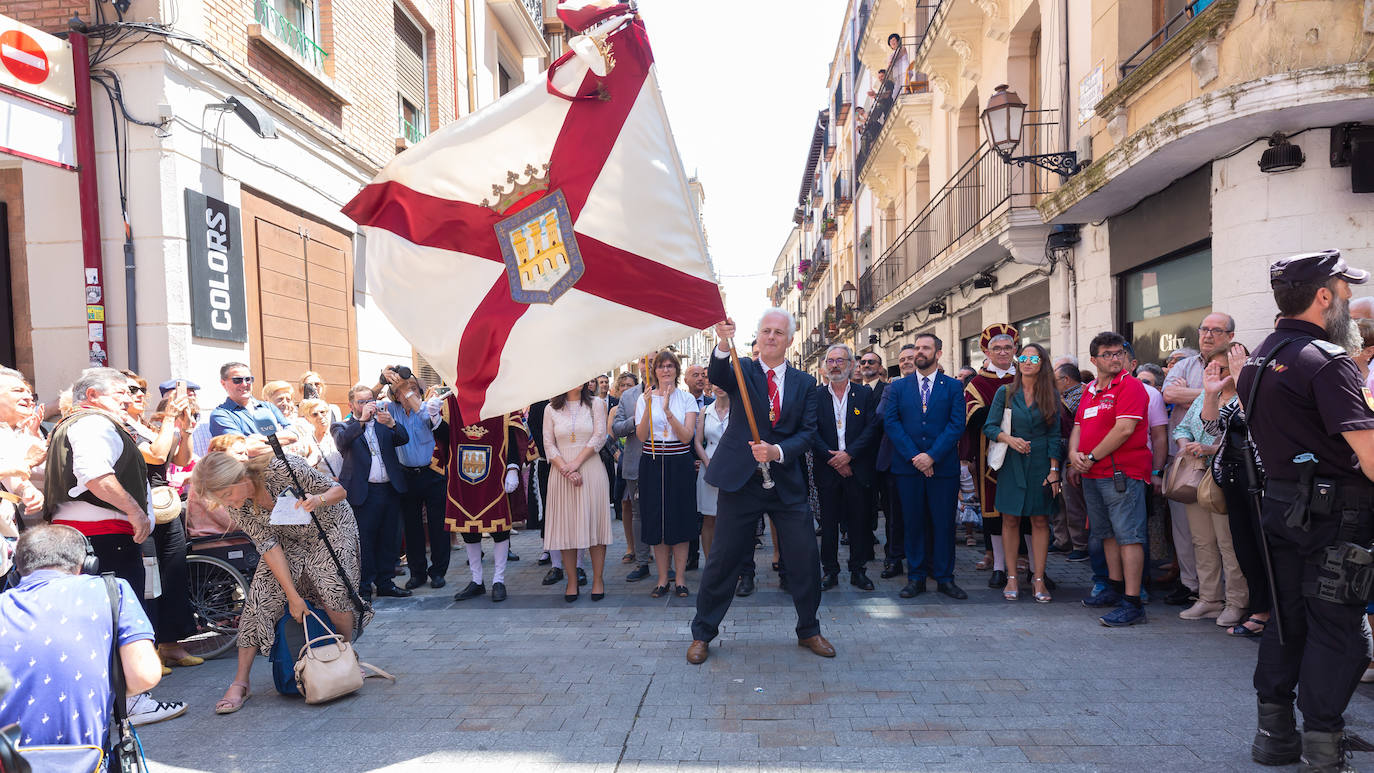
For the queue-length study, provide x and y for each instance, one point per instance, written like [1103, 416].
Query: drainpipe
[1066, 118]
[88, 193]
[472, 73]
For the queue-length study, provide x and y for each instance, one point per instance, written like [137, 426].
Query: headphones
[90, 564]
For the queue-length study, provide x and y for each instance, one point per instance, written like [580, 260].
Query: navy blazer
[862, 429]
[934, 431]
[357, 457]
[732, 463]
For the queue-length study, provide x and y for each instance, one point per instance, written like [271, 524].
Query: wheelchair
[219, 568]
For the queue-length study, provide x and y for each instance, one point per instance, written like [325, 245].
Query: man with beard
[1312, 422]
[844, 445]
[999, 343]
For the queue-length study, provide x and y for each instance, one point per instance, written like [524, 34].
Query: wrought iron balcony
[829, 142]
[843, 98]
[893, 87]
[411, 132]
[844, 192]
[283, 29]
[1164, 34]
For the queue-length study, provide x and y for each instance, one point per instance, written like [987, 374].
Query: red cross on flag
[548, 236]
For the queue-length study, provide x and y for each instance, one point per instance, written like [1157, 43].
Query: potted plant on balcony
[805, 265]
[828, 225]
[832, 329]
[800, 285]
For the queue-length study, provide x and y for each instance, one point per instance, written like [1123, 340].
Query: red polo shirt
[1124, 398]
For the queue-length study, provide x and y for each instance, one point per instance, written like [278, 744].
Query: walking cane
[748, 411]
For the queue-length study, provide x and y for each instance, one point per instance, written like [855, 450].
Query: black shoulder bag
[121, 740]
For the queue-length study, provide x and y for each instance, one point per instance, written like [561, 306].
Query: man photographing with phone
[375, 480]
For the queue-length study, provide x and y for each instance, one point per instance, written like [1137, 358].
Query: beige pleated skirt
[578, 517]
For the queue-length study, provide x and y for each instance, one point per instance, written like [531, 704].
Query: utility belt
[1345, 568]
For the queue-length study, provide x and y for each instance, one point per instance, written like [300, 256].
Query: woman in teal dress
[1028, 481]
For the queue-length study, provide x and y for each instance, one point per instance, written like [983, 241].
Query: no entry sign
[23, 57]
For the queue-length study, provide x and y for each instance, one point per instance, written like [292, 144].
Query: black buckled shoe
[1276, 738]
[555, 575]
[998, 580]
[860, 580]
[472, 591]
[891, 568]
[952, 590]
[415, 582]
[498, 592]
[913, 589]
[830, 580]
[746, 586]
[394, 592]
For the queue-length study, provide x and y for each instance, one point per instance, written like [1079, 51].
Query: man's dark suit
[376, 506]
[888, 499]
[928, 502]
[539, 491]
[743, 499]
[846, 500]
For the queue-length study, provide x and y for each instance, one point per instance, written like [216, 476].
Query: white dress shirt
[841, 406]
[779, 373]
[377, 472]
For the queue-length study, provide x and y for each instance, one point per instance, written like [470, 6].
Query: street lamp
[849, 294]
[816, 335]
[1004, 119]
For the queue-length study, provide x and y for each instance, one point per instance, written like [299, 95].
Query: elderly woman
[282, 395]
[313, 429]
[295, 565]
[21, 449]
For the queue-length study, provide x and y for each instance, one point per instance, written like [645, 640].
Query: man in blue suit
[847, 432]
[924, 418]
[783, 400]
[374, 479]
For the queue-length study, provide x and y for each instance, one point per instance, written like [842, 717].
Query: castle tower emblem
[540, 250]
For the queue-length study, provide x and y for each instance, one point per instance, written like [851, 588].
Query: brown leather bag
[1209, 494]
[1183, 478]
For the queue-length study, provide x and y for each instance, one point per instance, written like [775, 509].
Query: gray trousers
[1071, 523]
[642, 551]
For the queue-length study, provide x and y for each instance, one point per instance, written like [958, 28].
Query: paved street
[535, 684]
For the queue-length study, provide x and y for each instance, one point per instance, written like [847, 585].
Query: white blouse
[572, 426]
[680, 402]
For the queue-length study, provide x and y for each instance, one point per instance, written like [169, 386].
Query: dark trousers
[1244, 522]
[119, 553]
[929, 503]
[737, 512]
[379, 536]
[538, 495]
[1327, 651]
[894, 521]
[844, 504]
[175, 620]
[423, 508]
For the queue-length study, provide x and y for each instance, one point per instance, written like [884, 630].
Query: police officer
[1312, 421]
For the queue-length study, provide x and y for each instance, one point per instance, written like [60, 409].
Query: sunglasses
[1033, 359]
[137, 390]
[241, 379]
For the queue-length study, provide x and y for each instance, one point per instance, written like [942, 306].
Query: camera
[309, 392]
[401, 370]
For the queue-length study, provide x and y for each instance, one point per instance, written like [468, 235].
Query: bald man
[1362, 308]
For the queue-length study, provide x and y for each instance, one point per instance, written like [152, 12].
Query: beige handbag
[330, 670]
[1209, 494]
[1181, 482]
[166, 504]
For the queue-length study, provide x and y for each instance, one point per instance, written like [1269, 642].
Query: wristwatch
[1157, 473]
[1092, 458]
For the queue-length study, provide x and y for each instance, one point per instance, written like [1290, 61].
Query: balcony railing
[861, 17]
[829, 141]
[844, 191]
[411, 132]
[1164, 34]
[843, 97]
[893, 86]
[287, 32]
[535, 8]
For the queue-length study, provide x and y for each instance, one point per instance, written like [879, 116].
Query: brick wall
[46, 15]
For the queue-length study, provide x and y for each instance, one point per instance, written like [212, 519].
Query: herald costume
[476, 458]
[978, 396]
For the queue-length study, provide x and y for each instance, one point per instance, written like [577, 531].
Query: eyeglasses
[1001, 349]
[836, 360]
[1116, 355]
[241, 379]
[1213, 331]
[1033, 359]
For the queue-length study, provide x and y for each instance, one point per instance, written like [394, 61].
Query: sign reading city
[214, 253]
[36, 63]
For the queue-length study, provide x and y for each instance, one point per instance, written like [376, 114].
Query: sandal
[681, 591]
[1249, 633]
[984, 564]
[628, 558]
[659, 591]
[971, 541]
[1011, 593]
[228, 705]
[1041, 596]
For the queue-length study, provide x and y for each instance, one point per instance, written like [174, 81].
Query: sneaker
[145, 710]
[1103, 598]
[1122, 616]
[1077, 556]
[1202, 610]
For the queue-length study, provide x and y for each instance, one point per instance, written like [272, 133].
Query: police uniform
[1315, 497]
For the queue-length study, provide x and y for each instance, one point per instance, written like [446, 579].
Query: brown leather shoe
[816, 644]
[698, 651]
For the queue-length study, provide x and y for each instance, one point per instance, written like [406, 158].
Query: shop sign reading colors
[214, 252]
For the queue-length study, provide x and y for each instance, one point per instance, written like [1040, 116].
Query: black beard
[922, 364]
[1340, 329]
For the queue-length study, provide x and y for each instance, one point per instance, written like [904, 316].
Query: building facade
[1198, 131]
[234, 133]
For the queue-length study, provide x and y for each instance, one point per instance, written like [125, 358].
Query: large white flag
[541, 240]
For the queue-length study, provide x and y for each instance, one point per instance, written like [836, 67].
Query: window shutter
[410, 59]
[424, 370]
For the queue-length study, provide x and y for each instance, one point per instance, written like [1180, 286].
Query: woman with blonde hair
[312, 427]
[312, 386]
[282, 395]
[295, 564]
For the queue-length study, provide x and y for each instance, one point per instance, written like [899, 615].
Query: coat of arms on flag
[547, 236]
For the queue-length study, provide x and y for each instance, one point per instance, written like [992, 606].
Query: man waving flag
[547, 236]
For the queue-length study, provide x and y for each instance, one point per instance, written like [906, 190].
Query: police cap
[1314, 268]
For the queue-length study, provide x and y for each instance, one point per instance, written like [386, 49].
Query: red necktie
[774, 399]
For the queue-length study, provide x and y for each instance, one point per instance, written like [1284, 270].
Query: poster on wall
[214, 251]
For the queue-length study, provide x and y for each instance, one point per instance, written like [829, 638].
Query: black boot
[1324, 753]
[1276, 741]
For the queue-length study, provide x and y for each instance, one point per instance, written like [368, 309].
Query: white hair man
[845, 450]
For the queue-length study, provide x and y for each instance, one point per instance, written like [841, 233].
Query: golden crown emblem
[538, 180]
[474, 431]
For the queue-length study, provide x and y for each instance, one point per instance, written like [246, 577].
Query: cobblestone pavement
[535, 684]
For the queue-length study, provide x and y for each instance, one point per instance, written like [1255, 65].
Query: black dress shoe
[394, 592]
[998, 579]
[860, 580]
[746, 586]
[438, 582]
[544, 559]
[952, 590]
[498, 592]
[598, 596]
[510, 556]
[555, 575]
[1181, 597]
[581, 576]
[913, 589]
[415, 582]
[830, 580]
[637, 574]
[891, 569]
[472, 591]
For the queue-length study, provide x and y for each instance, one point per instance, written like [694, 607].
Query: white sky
[743, 82]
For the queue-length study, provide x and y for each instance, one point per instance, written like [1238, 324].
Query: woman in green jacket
[1028, 481]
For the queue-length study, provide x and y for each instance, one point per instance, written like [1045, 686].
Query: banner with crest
[547, 237]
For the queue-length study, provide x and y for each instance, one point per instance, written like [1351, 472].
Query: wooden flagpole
[749, 411]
